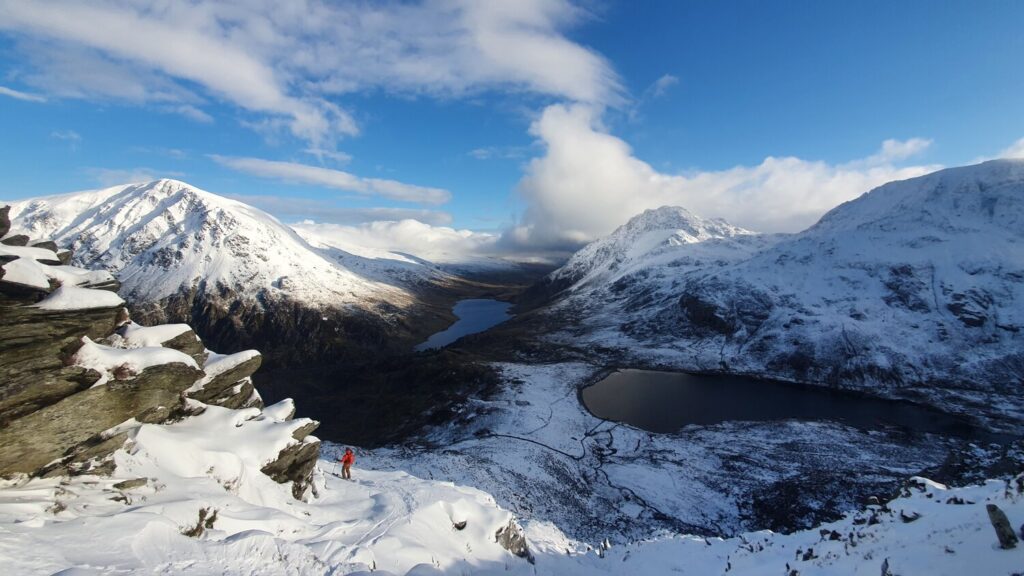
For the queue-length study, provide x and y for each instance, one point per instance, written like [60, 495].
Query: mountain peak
[648, 233]
[166, 235]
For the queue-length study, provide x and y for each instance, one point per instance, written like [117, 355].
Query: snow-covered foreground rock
[914, 290]
[189, 498]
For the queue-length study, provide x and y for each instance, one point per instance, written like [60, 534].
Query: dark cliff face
[288, 332]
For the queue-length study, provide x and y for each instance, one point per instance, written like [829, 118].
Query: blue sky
[544, 123]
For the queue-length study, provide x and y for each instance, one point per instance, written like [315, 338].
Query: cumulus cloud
[19, 95]
[893, 150]
[589, 182]
[439, 244]
[285, 60]
[1016, 150]
[319, 176]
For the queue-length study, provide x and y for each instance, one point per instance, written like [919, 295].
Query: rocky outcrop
[1001, 524]
[5, 220]
[78, 378]
[29, 443]
[511, 538]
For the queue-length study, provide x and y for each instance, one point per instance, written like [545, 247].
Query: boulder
[238, 396]
[131, 484]
[47, 245]
[35, 440]
[15, 240]
[1001, 524]
[295, 464]
[221, 383]
[511, 538]
[189, 343]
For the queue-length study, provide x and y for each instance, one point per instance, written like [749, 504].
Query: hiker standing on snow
[346, 464]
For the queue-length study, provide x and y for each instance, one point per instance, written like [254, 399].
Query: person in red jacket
[346, 464]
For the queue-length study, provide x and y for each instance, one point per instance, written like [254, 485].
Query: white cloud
[589, 182]
[192, 113]
[284, 59]
[326, 177]
[896, 150]
[661, 86]
[439, 244]
[499, 152]
[1016, 150]
[336, 156]
[19, 95]
[66, 135]
[327, 212]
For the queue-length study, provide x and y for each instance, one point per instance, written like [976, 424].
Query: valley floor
[542, 455]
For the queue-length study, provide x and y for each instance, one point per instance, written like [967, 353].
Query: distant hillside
[915, 290]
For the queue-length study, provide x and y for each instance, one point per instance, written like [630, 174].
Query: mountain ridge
[913, 290]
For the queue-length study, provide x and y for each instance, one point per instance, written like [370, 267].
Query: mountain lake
[665, 402]
[474, 315]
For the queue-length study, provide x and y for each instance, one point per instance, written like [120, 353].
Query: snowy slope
[654, 237]
[394, 523]
[166, 236]
[915, 289]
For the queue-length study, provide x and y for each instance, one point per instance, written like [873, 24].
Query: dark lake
[666, 401]
[474, 316]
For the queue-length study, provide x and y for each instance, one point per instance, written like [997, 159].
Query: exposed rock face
[34, 440]
[35, 346]
[296, 331]
[511, 538]
[5, 220]
[295, 464]
[78, 378]
[15, 240]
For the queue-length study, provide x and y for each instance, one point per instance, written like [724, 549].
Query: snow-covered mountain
[239, 275]
[164, 235]
[916, 290]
